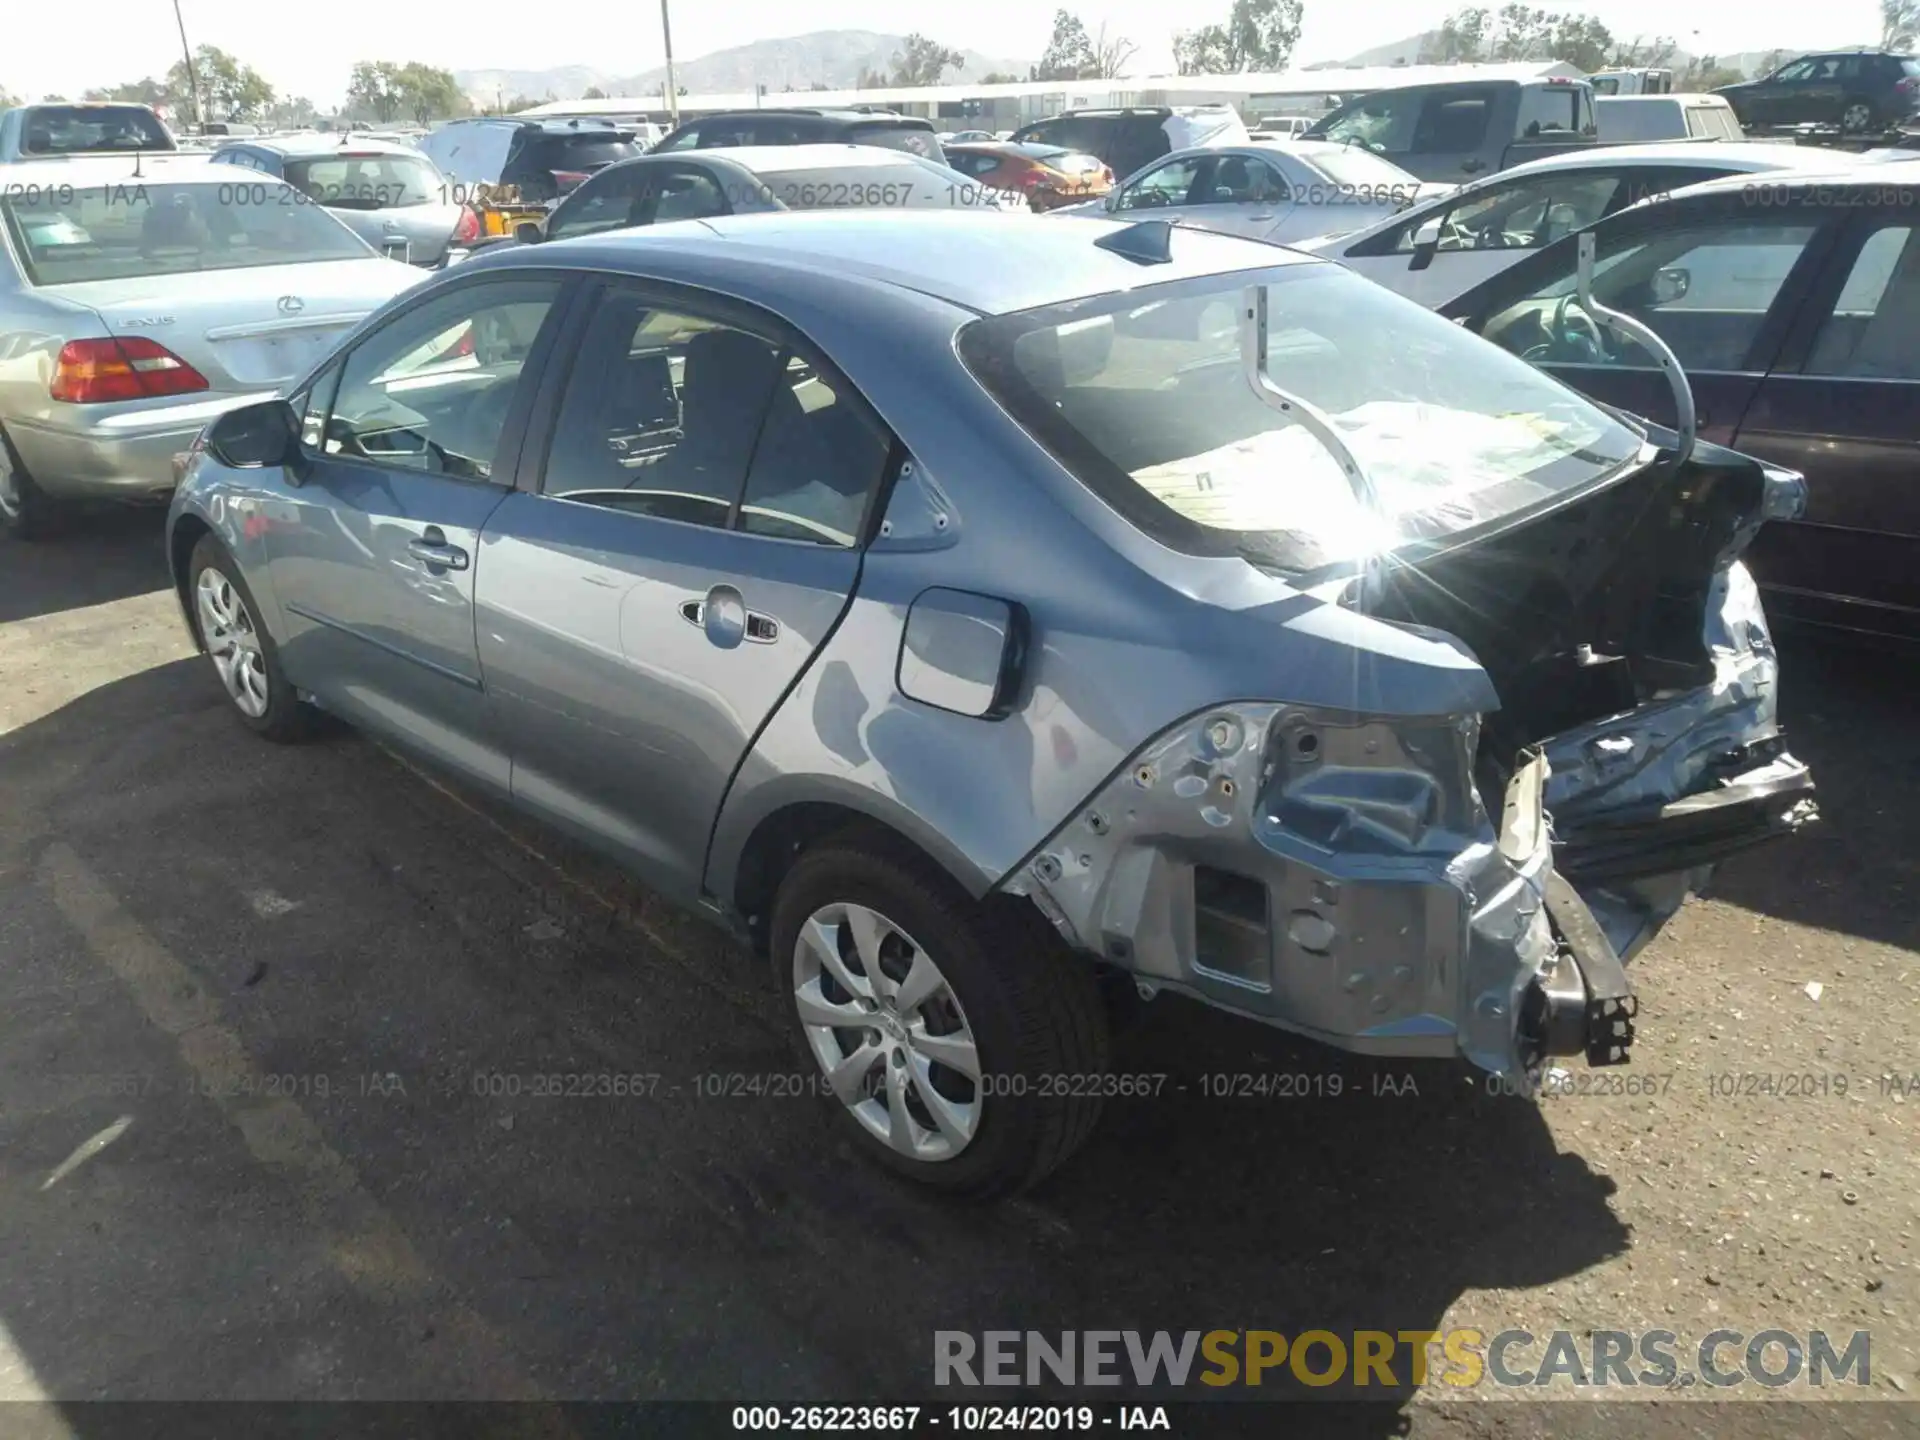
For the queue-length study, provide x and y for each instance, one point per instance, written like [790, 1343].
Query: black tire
[1036, 1013]
[1860, 126]
[26, 511]
[287, 718]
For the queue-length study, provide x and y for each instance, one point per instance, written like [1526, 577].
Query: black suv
[807, 127]
[544, 159]
[1860, 91]
[1125, 140]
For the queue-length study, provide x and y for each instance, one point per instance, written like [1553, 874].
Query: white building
[1004, 107]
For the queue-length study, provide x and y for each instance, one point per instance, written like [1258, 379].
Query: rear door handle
[431, 548]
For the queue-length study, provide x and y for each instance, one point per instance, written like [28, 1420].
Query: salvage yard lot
[319, 1079]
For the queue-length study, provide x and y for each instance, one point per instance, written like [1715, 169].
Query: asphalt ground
[273, 1023]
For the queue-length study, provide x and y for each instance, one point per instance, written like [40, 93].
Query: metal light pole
[193, 81]
[673, 90]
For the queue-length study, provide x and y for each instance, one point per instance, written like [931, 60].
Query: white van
[1635, 119]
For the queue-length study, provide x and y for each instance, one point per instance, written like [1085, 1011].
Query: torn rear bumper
[1337, 875]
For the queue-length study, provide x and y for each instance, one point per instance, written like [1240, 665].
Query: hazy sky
[307, 48]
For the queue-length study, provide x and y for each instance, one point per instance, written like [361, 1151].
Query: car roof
[1828, 177]
[984, 261]
[170, 167]
[1737, 154]
[830, 155]
[316, 143]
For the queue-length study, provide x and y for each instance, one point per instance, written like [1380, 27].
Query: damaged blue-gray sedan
[980, 615]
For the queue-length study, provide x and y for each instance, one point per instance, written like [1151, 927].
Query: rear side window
[74, 129]
[1450, 122]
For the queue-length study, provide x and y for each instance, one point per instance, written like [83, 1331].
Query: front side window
[1145, 398]
[1383, 123]
[1238, 180]
[1453, 121]
[1870, 334]
[1169, 185]
[682, 417]
[1799, 70]
[1706, 289]
[609, 201]
[1527, 216]
[130, 230]
[430, 390]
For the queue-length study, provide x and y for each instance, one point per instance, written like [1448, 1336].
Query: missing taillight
[132, 367]
[467, 228]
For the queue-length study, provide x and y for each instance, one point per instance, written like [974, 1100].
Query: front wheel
[1856, 118]
[243, 653]
[955, 1045]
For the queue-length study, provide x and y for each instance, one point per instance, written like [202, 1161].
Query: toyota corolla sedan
[978, 615]
[140, 298]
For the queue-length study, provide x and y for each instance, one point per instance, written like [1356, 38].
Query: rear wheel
[243, 653]
[25, 511]
[955, 1045]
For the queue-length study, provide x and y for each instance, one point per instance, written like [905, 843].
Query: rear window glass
[1549, 107]
[1146, 398]
[366, 182]
[67, 234]
[580, 152]
[923, 143]
[72, 129]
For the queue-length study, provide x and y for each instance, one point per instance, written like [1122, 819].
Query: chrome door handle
[731, 622]
[432, 549]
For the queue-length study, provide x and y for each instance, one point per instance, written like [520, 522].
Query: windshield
[69, 233]
[1147, 401]
[923, 143]
[366, 181]
[76, 129]
[1353, 166]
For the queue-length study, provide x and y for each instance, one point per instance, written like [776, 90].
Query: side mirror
[1671, 284]
[528, 232]
[963, 653]
[255, 437]
[1426, 244]
[1112, 202]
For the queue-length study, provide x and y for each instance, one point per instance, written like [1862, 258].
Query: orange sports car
[1048, 175]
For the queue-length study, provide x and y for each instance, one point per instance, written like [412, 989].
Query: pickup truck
[56, 131]
[1458, 129]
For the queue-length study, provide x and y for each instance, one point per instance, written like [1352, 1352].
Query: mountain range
[827, 59]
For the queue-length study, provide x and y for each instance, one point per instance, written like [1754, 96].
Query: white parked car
[1438, 249]
[1635, 119]
[1278, 191]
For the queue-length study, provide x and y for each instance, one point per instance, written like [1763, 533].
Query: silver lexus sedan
[981, 616]
[139, 298]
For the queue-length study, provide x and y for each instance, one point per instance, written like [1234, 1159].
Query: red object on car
[128, 367]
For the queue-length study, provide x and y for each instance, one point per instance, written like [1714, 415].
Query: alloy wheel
[233, 642]
[1855, 117]
[887, 1031]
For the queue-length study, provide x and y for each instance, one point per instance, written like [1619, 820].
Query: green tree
[428, 93]
[294, 113]
[1111, 56]
[1705, 72]
[1899, 24]
[1521, 32]
[230, 89]
[373, 90]
[1769, 62]
[1069, 54]
[1652, 54]
[140, 92]
[1258, 35]
[920, 61]
[999, 77]
[593, 92]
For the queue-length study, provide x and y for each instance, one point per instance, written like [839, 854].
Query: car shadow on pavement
[1849, 714]
[188, 909]
[101, 554]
